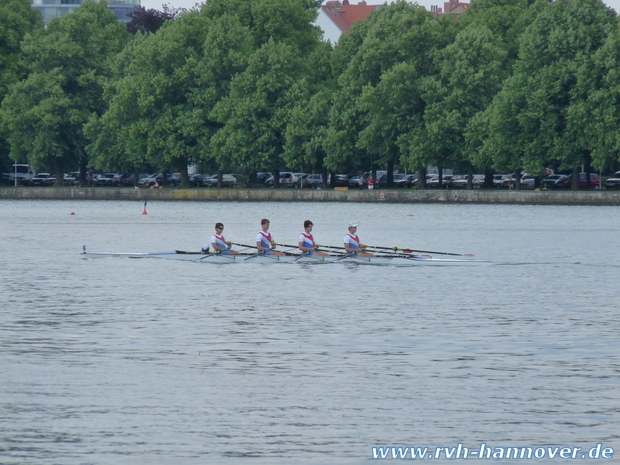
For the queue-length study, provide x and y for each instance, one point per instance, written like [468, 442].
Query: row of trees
[510, 85]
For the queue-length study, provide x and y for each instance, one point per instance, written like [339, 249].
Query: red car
[595, 182]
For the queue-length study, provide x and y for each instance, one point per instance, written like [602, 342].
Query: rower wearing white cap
[352, 242]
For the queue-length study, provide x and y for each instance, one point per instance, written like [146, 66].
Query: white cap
[353, 224]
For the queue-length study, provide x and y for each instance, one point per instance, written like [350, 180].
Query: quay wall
[319, 195]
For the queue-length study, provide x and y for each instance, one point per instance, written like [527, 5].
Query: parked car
[342, 180]
[552, 182]
[434, 181]
[313, 181]
[228, 180]
[357, 182]
[407, 181]
[20, 172]
[567, 182]
[149, 180]
[498, 180]
[262, 177]
[173, 179]
[382, 180]
[613, 182]
[527, 182]
[199, 180]
[40, 179]
[287, 179]
[127, 179]
[70, 178]
[109, 179]
[298, 179]
[460, 181]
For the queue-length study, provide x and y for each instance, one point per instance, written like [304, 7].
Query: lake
[151, 361]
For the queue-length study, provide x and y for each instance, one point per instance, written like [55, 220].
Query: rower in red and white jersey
[265, 242]
[353, 244]
[306, 241]
[219, 242]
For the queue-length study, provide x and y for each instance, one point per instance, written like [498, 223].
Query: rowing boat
[199, 257]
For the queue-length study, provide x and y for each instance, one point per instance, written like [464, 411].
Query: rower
[306, 241]
[352, 243]
[265, 243]
[219, 243]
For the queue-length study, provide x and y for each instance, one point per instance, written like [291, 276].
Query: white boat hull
[381, 260]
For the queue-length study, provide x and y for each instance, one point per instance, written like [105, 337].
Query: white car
[287, 179]
[460, 181]
[613, 182]
[228, 180]
[147, 181]
[527, 181]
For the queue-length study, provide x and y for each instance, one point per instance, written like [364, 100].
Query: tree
[166, 86]
[306, 131]
[254, 115]
[364, 122]
[528, 122]
[598, 116]
[470, 72]
[288, 21]
[149, 21]
[17, 18]
[44, 115]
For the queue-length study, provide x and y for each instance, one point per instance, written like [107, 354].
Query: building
[337, 18]
[53, 8]
[451, 7]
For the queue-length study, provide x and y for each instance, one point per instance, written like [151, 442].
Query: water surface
[165, 362]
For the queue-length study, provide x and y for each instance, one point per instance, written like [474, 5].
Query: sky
[157, 4]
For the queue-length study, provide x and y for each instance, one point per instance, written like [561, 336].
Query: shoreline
[478, 196]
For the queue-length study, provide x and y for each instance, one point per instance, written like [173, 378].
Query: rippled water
[164, 362]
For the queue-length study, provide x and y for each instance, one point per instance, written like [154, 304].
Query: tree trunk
[488, 178]
[60, 178]
[517, 176]
[276, 179]
[422, 178]
[575, 179]
[390, 174]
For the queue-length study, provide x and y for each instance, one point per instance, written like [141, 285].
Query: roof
[345, 15]
[452, 7]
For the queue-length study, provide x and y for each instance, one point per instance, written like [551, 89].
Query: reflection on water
[151, 361]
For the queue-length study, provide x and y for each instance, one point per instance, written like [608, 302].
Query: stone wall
[313, 195]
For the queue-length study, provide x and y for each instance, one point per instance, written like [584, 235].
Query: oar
[420, 251]
[244, 245]
[320, 249]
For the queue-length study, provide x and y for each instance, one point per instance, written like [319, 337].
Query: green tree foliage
[44, 114]
[306, 131]
[597, 118]
[255, 113]
[151, 119]
[17, 18]
[371, 110]
[287, 21]
[162, 100]
[528, 122]
[510, 85]
[470, 72]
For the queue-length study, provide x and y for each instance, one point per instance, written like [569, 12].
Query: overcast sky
[157, 4]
